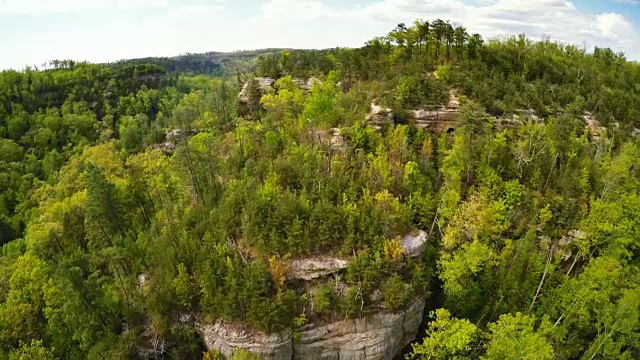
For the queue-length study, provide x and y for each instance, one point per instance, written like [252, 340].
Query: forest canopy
[138, 194]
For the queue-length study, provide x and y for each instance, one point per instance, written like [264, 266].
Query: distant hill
[209, 63]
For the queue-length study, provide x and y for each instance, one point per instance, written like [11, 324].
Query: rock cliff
[313, 268]
[380, 336]
[227, 338]
[441, 120]
[593, 126]
[377, 337]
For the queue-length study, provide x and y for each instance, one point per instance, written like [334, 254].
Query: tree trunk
[544, 276]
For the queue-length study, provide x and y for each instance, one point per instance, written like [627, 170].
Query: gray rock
[454, 102]
[379, 115]
[227, 338]
[414, 244]
[332, 137]
[264, 84]
[376, 296]
[308, 84]
[313, 268]
[564, 244]
[380, 336]
[594, 128]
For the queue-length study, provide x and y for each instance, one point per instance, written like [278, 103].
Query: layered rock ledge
[313, 268]
[227, 338]
[378, 337]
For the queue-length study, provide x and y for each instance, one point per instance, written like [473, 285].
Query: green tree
[516, 337]
[447, 338]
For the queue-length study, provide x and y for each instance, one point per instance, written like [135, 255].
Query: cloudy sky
[35, 31]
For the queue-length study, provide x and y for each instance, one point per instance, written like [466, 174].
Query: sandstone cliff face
[441, 120]
[313, 268]
[380, 336]
[227, 338]
[593, 126]
[379, 116]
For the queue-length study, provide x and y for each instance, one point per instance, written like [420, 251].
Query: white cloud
[40, 7]
[169, 27]
[615, 26]
[195, 12]
[558, 19]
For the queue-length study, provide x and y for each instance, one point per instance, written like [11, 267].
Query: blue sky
[36, 31]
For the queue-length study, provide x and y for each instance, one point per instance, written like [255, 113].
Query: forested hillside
[145, 200]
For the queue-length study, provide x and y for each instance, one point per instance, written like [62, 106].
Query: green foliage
[515, 337]
[419, 92]
[134, 198]
[395, 293]
[34, 350]
[447, 338]
[323, 300]
[243, 354]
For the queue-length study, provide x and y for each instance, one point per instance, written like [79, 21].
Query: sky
[33, 32]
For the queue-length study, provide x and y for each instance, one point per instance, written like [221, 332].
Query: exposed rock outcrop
[377, 337]
[263, 83]
[172, 138]
[564, 244]
[379, 116]
[331, 137]
[313, 268]
[441, 120]
[266, 83]
[414, 244]
[227, 338]
[518, 118]
[593, 126]
[306, 85]
[380, 336]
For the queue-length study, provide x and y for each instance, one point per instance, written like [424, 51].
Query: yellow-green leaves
[447, 338]
[515, 338]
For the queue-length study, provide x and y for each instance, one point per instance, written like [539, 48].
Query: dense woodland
[534, 230]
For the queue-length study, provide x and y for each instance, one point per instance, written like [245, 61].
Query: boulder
[379, 115]
[454, 102]
[379, 336]
[173, 137]
[376, 296]
[226, 338]
[564, 250]
[414, 244]
[593, 126]
[166, 147]
[308, 84]
[313, 268]
[264, 83]
[518, 118]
